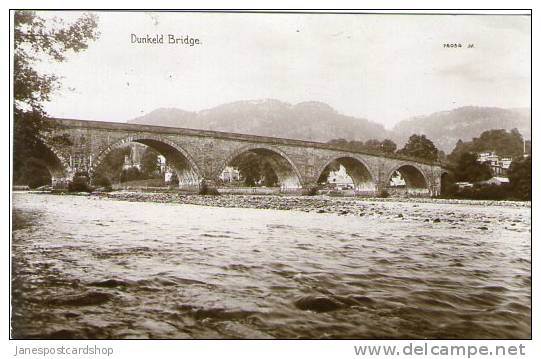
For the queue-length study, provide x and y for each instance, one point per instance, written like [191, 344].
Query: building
[498, 165]
[230, 174]
[340, 178]
[133, 160]
[495, 181]
[397, 180]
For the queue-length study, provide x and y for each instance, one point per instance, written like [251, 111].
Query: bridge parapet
[199, 155]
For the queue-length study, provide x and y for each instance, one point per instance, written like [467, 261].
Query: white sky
[385, 68]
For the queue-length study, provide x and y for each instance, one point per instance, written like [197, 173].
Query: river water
[85, 267]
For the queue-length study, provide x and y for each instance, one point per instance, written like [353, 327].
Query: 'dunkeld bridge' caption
[165, 39]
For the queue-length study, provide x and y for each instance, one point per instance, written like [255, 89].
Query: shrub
[206, 190]
[130, 174]
[79, 184]
[102, 181]
[310, 191]
[384, 194]
[486, 192]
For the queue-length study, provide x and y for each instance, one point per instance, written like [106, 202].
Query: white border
[263, 349]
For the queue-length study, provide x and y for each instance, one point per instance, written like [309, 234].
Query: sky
[385, 68]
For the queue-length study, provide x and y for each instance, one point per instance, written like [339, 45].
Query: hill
[317, 121]
[314, 121]
[446, 128]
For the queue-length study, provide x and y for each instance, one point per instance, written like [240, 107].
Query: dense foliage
[506, 144]
[38, 39]
[419, 146]
[254, 170]
[520, 176]
[468, 169]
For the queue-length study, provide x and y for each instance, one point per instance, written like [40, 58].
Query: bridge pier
[197, 154]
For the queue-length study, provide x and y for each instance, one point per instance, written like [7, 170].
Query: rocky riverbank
[378, 207]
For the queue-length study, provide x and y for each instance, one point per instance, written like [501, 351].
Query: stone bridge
[199, 156]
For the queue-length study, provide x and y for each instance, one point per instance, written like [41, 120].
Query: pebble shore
[312, 204]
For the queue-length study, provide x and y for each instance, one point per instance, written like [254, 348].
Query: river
[89, 267]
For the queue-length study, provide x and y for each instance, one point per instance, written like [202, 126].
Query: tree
[254, 169]
[520, 177]
[39, 39]
[34, 173]
[388, 146]
[130, 174]
[373, 145]
[268, 175]
[248, 165]
[149, 163]
[499, 140]
[468, 169]
[419, 146]
[111, 166]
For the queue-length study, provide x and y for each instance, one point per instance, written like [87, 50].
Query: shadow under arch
[189, 174]
[287, 173]
[52, 160]
[414, 177]
[356, 169]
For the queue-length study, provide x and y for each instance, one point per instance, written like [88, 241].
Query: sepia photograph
[270, 175]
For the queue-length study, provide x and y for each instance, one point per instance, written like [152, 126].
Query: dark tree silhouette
[469, 170]
[500, 141]
[419, 146]
[149, 163]
[38, 39]
[520, 176]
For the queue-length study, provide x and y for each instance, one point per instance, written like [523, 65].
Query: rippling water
[95, 268]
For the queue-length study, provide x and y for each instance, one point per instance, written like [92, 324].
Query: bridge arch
[356, 168]
[189, 174]
[414, 177]
[53, 161]
[286, 171]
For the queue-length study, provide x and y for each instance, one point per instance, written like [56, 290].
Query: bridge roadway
[199, 156]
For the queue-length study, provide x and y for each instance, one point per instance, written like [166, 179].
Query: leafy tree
[80, 183]
[254, 169]
[499, 140]
[469, 170]
[520, 176]
[268, 175]
[149, 162]
[173, 181]
[111, 166]
[130, 174]
[39, 39]
[420, 147]
[248, 165]
[34, 174]
[373, 145]
[388, 146]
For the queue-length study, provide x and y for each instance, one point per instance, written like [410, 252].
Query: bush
[102, 181]
[33, 173]
[310, 191]
[174, 180]
[131, 174]
[79, 184]
[487, 192]
[206, 190]
[384, 194]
